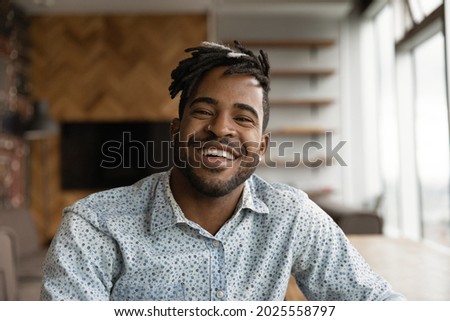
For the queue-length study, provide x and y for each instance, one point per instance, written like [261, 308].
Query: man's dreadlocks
[211, 55]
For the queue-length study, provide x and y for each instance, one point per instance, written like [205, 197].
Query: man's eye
[202, 112]
[244, 119]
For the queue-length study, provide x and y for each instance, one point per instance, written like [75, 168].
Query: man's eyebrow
[212, 101]
[247, 108]
[207, 100]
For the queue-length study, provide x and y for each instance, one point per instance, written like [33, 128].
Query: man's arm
[328, 267]
[81, 263]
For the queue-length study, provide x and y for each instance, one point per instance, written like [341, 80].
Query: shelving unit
[15, 106]
[313, 75]
[304, 102]
[305, 94]
[299, 131]
[310, 72]
[302, 72]
[308, 43]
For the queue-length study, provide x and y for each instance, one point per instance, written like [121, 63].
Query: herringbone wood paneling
[103, 68]
[110, 67]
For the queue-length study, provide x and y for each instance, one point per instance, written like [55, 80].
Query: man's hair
[209, 55]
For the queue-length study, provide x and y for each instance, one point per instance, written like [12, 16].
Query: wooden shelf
[307, 43]
[301, 72]
[301, 102]
[299, 131]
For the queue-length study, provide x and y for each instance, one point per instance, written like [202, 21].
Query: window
[413, 118]
[422, 47]
[432, 139]
[410, 13]
[422, 8]
[387, 116]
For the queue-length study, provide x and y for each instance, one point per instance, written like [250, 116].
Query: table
[417, 270]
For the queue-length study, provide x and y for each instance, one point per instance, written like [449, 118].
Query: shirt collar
[250, 201]
[166, 212]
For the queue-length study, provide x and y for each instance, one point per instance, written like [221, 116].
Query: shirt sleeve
[82, 262]
[327, 267]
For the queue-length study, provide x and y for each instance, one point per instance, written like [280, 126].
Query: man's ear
[174, 126]
[264, 144]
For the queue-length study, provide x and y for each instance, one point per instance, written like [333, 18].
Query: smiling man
[208, 229]
[221, 126]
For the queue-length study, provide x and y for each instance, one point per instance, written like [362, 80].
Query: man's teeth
[217, 153]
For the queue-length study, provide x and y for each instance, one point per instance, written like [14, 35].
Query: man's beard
[208, 187]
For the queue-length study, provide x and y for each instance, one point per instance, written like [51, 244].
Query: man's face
[219, 140]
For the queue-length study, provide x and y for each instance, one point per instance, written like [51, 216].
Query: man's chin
[215, 182]
[218, 175]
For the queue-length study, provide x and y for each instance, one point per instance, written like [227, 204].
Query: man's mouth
[215, 152]
[227, 150]
[217, 155]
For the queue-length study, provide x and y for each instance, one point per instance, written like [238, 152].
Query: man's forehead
[221, 72]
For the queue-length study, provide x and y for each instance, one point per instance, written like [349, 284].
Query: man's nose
[222, 126]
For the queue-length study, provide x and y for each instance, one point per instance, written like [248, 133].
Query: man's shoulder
[275, 192]
[262, 187]
[286, 202]
[125, 200]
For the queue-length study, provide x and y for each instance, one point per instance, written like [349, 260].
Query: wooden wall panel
[102, 68]
[109, 67]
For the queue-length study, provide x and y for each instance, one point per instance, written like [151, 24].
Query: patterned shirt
[134, 243]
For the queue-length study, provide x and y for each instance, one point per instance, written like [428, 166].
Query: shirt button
[216, 243]
[220, 294]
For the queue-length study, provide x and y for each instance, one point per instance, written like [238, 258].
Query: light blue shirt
[134, 243]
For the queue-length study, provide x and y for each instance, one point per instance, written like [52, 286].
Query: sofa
[21, 256]
[353, 220]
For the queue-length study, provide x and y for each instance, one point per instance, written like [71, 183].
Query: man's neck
[211, 213]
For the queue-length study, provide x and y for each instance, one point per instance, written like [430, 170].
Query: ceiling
[336, 8]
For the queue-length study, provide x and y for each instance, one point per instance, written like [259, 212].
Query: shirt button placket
[218, 275]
